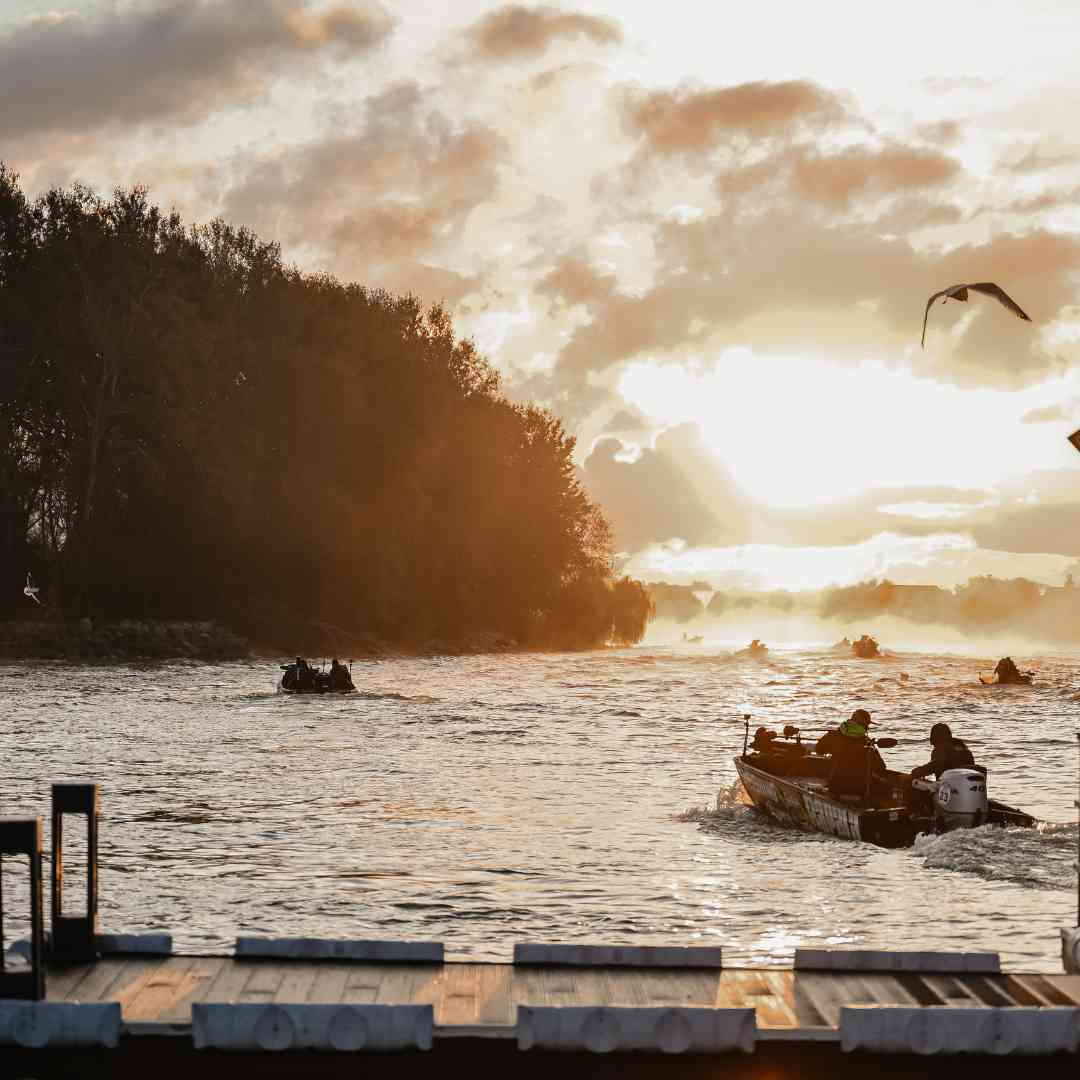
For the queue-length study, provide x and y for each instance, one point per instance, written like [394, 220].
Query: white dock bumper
[969, 963]
[619, 955]
[606, 1029]
[40, 1024]
[398, 952]
[887, 1029]
[312, 1027]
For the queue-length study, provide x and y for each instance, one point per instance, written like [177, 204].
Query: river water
[482, 801]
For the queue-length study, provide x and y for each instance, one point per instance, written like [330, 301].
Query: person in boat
[1007, 672]
[949, 753]
[305, 676]
[856, 763]
[866, 647]
[340, 679]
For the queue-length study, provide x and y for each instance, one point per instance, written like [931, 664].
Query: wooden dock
[477, 1006]
[156, 993]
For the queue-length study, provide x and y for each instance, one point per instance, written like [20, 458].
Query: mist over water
[591, 797]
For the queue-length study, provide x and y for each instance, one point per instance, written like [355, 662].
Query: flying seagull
[960, 292]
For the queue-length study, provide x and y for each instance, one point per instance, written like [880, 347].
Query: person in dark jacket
[949, 753]
[855, 762]
[340, 679]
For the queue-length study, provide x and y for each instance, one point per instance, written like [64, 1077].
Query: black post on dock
[22, 836]
[74, 937]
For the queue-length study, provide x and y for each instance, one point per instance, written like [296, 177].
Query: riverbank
[152, 639]
[118, 639]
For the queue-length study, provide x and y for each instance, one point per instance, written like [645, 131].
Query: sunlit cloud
[870, 426]
[943, 559]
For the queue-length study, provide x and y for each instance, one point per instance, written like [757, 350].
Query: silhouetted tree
[195, 428]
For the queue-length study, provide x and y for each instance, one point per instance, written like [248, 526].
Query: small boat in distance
[693, 639]
[300, 677]
[1007, 674]
[755, 648]
[866, 648]
[787, 781]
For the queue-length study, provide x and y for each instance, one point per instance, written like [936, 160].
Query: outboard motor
[960, 800]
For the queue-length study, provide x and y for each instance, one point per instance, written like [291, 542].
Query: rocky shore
[118, 639]
[150, 639]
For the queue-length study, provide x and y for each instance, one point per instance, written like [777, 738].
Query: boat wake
[1039, 858]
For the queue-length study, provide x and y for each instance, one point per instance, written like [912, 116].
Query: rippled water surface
[590, 797]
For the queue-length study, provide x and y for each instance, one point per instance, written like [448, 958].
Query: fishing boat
[993, 679]
[786, 780]
[866, 648]
[755, 648]
[310, 679]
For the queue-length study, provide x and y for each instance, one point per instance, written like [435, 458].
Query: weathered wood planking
[161, 990]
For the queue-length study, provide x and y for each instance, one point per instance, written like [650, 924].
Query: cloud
[1042, 157]
[574, 280]
[782, 275]
[948, 85]
[1044, 415]
[175, 60]
[1039, 528]
[675, 489]
[696, 121]
[835, 179]
[383, 200]
[517, 32]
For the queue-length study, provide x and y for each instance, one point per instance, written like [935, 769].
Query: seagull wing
[926, 314]
[996, 291]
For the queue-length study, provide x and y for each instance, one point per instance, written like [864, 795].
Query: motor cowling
[960, 800]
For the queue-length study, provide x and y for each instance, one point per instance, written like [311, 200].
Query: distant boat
[866, 648]
[755, 648]
[693, 639]
[992, 679]
[307, 679]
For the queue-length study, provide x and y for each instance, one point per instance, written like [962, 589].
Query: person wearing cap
[854, 759]
[949, 753]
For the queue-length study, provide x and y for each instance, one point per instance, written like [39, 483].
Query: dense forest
[191, 428]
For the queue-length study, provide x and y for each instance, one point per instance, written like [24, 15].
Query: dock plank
[229, 982]
[494, 1004]
[201, 976]
[134, 979]
[782, 984]
[400, 983]
[952, 990]
[1062, 989]
[757, 992]
[298, 980]
[115, 980]
[329, 986]
[886, 989]
[173, 980]
[807, 1012]
[263, 984]
[61, 984]
[457, 1001]
[729, 993]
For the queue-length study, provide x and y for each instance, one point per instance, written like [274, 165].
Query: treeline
[191, 428]
[983, 604]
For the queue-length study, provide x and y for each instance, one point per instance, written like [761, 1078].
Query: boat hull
[804, 802]
[802, 807]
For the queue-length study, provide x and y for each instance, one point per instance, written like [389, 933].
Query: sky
[703, 235]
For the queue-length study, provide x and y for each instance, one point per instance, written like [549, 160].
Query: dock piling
[74, 936]
[22, 836]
